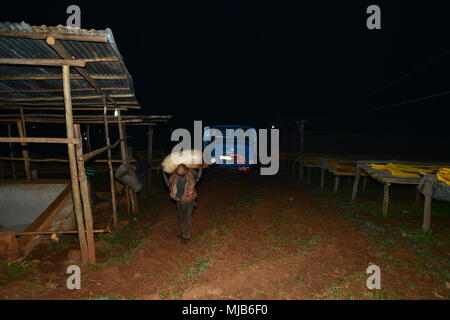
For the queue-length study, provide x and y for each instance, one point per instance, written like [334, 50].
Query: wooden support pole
[364, 182]
[428, 188]
[25, 154]
[73, 167]
[336, 183]
[386, 199]
[356, 183]
[150, 155]
[322, 177]
[110, 168]
[300, 168]
[301, 126]
[11, 153]
[133, 198]
[123, 152]
[86, 197]
[308, 176]
[88, 138]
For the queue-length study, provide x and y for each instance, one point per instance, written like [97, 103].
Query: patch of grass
[257, 291]
[16, 269]
[297, 279]
[64, 242]
[223, 229]
[307, 245]
[200, 264]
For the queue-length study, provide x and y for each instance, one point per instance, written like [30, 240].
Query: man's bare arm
[199, 172]
[166, 180]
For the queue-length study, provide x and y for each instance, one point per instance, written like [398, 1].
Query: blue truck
[237, 154]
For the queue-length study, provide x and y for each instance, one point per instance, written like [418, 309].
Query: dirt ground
[254, 237]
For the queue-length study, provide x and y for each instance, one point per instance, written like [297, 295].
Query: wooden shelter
[65, 70]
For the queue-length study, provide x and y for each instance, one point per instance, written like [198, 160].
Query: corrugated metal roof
[18, 47]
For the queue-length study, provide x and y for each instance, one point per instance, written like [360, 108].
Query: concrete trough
[35, 205]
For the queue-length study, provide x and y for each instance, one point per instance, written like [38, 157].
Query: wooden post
[11, 152]
[73, 167]
[300, 168]
[110, 167]
[86, 197]
[386, 199]
[309, 176]
[150, 155]
[301, 125]
[322, 177]
[356, 183]
[23, 133]
[133, 197]
[123, 152]
[428, 188]
[88, 138]
[336, 183]
[364, 183]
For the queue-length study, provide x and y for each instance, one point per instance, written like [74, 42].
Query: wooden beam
[74, 168]
[61, 90]
[87, 156]
[58, 36]
[44, 62]
[124, 104]
[62, 109]
[35, 233]
[59, 160]
[38, 140]
[127, 95]
[63, 53]
[57, 77]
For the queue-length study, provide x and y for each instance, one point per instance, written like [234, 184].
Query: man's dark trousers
[184, 211]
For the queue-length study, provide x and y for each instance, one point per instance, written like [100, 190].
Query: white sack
[192, 158]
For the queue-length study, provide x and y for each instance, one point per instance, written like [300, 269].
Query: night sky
[265, 62]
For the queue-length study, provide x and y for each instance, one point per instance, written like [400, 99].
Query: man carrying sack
[181, 184]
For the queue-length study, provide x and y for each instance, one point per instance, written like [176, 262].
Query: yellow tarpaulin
[406, 170]
[344, 167]
[443, 175]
